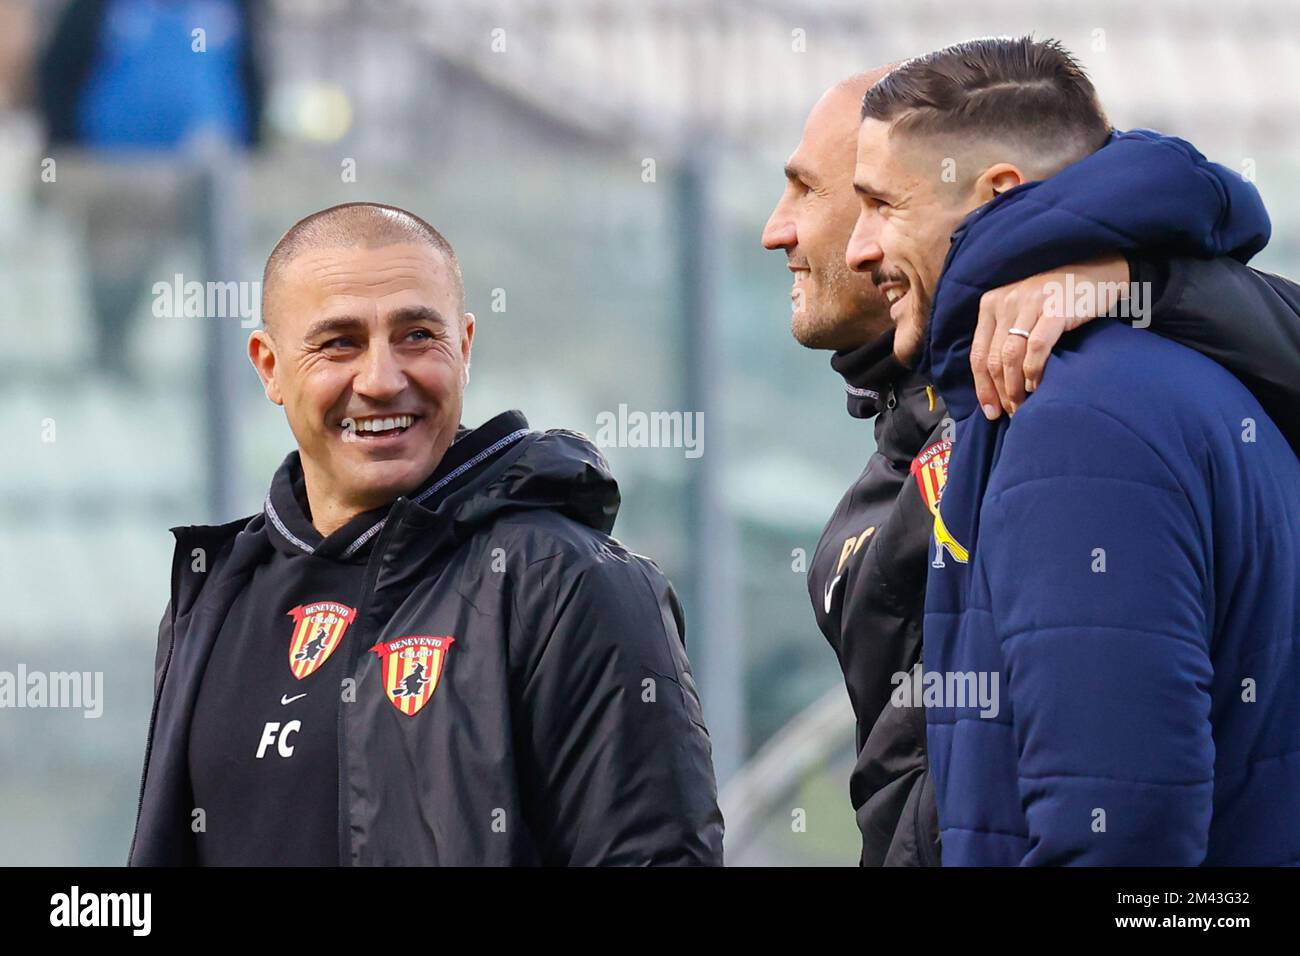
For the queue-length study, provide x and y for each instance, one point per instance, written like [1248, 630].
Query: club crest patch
[930, 468]
[410, 668]
[317, 629]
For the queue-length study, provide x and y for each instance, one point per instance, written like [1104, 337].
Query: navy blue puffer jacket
[1122, 557]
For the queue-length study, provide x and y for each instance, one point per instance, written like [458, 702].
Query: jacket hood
[1141, 190]
[556, 470]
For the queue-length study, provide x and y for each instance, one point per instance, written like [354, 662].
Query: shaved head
[832, 307]
[858, 84]
[365, 225]
[367, 347]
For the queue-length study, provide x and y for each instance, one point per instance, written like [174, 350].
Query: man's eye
[424, 335]
[340, 342]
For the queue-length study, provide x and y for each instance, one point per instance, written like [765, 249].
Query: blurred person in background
[140, 87]
[868, 575]
[17, 50]
[19, 130]
[426, 649]
[1123, 555]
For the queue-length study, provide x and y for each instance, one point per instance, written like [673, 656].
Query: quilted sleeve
[615, 760]
[1098, 580]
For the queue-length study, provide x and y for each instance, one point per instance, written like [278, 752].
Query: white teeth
[893, 295]
[384, 424]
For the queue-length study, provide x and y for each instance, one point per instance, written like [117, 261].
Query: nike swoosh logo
[286, 699]
[829, 589]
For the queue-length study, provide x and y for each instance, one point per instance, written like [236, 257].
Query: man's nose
[863, 253]
[779, 232]
[381, 376]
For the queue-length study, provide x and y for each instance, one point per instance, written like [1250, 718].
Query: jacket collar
[869, 372]
[877, 384]
[287, 516]
[902, 431]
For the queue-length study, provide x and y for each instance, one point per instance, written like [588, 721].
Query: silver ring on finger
[1020, 332]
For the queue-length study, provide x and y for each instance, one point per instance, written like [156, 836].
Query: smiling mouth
[894, 291]
[374, 427]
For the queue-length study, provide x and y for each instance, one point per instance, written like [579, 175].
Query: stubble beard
[832, 319]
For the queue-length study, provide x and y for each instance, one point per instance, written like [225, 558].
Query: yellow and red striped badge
[930, 469]
[317, 630]
[410, 668]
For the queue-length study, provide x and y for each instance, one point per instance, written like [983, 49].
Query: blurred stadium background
[524, 131]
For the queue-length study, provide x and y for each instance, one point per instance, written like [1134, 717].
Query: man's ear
[261, 352]
[466, 344]
[997, 179]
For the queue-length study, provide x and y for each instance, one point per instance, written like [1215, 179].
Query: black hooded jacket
[868, 575]
[564, 727]
[867, 583]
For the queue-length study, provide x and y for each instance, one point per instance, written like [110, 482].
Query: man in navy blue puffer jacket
[1110, 644]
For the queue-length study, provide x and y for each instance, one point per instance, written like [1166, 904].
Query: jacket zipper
[354, 657]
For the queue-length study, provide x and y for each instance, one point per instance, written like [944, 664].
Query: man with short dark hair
[426, 649]
[1122, 557]
[867, 576]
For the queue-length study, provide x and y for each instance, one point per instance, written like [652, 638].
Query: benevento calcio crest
[410, 668]
[930, 469]
[317, 630]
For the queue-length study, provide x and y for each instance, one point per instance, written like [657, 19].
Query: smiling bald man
[426, 648]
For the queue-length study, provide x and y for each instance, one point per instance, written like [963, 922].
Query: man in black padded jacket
[426, 648]
[868, 573]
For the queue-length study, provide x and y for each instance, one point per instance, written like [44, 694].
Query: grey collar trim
[441, 483]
